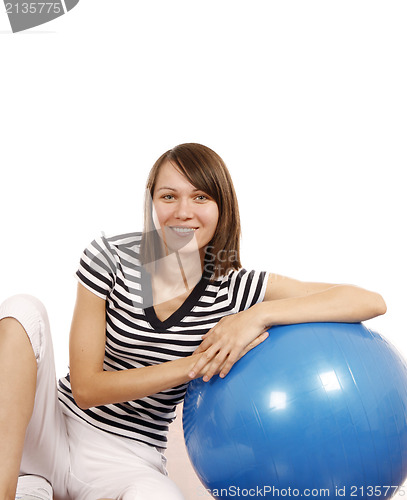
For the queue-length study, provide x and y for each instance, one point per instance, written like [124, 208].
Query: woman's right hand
[208, 366]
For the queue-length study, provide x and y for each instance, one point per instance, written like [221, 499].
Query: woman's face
[187, 216]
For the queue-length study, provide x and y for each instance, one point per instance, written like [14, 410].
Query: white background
[305, 101]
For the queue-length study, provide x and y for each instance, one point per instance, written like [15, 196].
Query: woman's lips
[183, 231]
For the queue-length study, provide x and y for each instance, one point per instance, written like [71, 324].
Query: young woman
[144, 303]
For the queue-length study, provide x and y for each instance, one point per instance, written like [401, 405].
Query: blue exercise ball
[317, 409]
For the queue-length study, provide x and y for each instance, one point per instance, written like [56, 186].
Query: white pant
[80, 461]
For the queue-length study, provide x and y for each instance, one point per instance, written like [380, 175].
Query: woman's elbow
[383, 306]
[81, 395]
[380, 306]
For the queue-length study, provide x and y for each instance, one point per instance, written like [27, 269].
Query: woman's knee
[149, 491]
[30, 314]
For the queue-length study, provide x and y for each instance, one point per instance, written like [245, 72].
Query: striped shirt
[135, 337]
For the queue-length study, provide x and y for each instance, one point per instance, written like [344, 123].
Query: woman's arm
[91, 386]
[289, 301]
[286, 301]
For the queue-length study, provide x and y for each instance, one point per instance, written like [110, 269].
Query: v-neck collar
[179, 313]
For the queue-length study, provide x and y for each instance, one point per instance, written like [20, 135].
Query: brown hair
[205, 170]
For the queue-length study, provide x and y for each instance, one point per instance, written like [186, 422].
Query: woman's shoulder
[240, 276]
[124, 239]
[114, 246]
[242, 271]
[243, 287]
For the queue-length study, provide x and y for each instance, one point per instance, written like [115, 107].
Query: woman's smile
[182, 212]
[183, 231]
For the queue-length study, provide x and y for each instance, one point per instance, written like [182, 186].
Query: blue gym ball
[317, 409]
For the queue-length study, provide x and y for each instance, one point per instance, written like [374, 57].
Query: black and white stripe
[135, 337]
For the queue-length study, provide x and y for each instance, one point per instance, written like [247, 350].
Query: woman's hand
[227, 342]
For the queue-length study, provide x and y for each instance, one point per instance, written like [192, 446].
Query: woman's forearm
[340, 303]
[110, 387]
[234, 335]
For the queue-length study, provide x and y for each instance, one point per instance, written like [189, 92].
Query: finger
[214, 367]
[205, 344]
[204, 359]
[230, 361]
[237, 355]
[254, 343]
[199, 349]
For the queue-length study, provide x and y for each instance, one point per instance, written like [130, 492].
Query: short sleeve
[249, 288]
[97, 267]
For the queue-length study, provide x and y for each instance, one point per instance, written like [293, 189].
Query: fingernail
[206, 378]
[191, 374]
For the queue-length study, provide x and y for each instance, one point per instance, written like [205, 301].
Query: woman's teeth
[184, 230]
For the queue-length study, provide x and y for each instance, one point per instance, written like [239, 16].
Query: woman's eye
[168, 197]
[201, 197]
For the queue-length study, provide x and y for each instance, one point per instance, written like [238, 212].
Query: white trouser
[80, 461]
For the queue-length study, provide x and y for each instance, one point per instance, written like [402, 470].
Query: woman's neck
[176, 274]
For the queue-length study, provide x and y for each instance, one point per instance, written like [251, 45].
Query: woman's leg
[18, 375]
[152, 487]
[105, 466]
[45, 450]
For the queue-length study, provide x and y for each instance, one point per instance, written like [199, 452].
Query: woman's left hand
[230, 339]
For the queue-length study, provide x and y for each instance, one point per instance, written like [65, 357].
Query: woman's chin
[183, 243]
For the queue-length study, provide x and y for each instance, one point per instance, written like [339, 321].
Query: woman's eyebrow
[173, 189]
[165, 188]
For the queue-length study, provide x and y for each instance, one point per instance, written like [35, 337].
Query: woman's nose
[183, 210]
